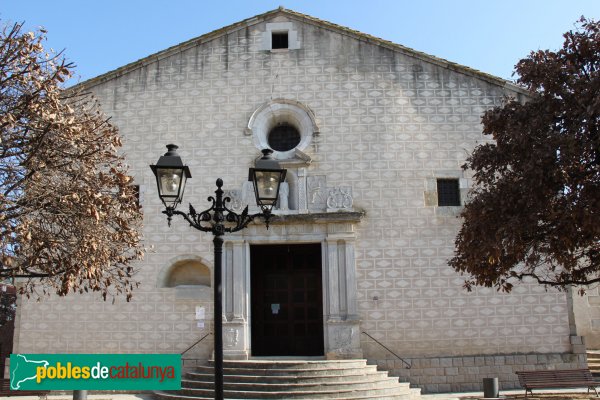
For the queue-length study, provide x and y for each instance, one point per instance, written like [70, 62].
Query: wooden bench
[557, 379]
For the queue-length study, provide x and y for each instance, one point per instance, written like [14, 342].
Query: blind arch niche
[186, 270]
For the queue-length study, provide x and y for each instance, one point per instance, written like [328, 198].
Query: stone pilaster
[235, 284]
[342, 326]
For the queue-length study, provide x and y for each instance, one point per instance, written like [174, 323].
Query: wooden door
[286, 298]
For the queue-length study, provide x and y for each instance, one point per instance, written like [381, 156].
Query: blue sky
[489, 35]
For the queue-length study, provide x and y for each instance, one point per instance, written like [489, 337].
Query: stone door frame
[336, 233]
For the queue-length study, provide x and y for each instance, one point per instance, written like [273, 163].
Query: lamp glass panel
[170, 181]
[267, 186]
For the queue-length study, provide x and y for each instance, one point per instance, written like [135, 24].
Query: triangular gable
[302, 18]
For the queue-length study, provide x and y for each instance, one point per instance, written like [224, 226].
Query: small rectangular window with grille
[279, 40]
[448, 192]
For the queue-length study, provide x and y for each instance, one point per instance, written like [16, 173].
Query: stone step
[302, 372]
[293, 379]
[347, 392]
[593, 358]
[293, 364]
[415, 393]
[298, 387]
[171, 396]
[190, 378]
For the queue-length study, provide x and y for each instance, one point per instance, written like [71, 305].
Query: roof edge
[456, 67]
[115, 73]
[453, 66]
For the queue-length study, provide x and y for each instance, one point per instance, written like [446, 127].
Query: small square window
[448, 192]
[279, 40]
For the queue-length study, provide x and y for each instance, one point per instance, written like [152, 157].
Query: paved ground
[517, 394]
[507, 394]
[90, 397]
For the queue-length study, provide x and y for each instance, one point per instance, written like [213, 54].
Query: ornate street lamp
[267, 176]
[171, 176]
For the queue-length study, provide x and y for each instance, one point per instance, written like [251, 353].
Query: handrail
[408, 366]
[201, 339]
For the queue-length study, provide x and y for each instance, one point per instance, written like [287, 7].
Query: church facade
[373, 136]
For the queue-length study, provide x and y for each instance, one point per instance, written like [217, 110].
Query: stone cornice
[317, 218]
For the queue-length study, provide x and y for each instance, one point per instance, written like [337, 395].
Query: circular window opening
[284, 137]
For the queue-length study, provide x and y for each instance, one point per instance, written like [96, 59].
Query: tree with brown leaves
[69, 217]
[535, 206]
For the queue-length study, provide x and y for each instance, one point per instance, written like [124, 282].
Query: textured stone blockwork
[466, 374]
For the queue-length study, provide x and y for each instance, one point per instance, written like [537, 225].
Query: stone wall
[466, 374]
[586, 310]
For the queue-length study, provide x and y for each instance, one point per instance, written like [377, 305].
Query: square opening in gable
[279, 40]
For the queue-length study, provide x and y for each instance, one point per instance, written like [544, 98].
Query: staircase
[593, 357]
[293, 379]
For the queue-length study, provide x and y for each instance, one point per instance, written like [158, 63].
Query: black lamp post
[171, 176]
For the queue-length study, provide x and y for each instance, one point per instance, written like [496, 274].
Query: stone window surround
[269, 114]
[277, 27]
[430, 194]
